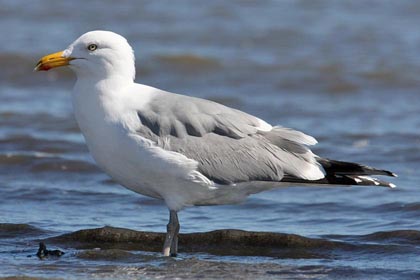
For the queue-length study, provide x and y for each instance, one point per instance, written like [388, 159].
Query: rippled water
[346, 72]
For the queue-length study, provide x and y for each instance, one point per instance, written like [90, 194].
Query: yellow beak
[51, 61]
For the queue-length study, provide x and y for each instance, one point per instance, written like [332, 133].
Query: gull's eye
[92, 47]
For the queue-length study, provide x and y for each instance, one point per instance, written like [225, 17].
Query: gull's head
[95, 54]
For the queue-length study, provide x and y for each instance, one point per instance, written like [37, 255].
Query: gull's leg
[174, 245]
[171, 241]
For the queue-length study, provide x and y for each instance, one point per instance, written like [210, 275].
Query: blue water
[345, 72]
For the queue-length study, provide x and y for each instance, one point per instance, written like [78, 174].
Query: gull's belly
[141, 167]
[127, 163]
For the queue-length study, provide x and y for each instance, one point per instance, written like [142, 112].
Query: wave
[41, 162]
[22, 75]
[39, 146]
[8, 230]
[41, 120]
[396, 236]
[188, 62]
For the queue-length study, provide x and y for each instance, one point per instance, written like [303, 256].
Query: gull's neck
[100, 85]
[91, 93]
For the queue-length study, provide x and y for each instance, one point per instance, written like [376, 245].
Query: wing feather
[227, 143]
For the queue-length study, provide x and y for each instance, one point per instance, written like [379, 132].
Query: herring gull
[184, 150]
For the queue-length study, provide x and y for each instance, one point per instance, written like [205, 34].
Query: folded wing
[229, 145]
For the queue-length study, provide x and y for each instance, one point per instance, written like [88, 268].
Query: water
[346, 72]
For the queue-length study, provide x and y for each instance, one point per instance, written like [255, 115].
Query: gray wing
[181, 116]
[227, 143]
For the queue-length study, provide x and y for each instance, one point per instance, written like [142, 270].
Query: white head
[95, 54]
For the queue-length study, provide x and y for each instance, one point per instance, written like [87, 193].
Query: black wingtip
[335, 167]
[388, 173]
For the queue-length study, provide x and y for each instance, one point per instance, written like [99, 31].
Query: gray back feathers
[225, 142]
[181, 116]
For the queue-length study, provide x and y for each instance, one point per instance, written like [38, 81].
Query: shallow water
[345, 72]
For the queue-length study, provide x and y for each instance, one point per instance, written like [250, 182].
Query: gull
[184, 150]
